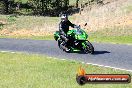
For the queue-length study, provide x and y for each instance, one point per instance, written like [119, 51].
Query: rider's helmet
[64, 17]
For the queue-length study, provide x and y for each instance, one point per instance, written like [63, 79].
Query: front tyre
[88, 48]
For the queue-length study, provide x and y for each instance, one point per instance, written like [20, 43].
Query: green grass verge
[19, 70]
[127, 8]
[112, 39]
[49, 37]
[92, 38]
[117, 35]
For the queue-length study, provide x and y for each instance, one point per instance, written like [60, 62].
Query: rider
[64, 28]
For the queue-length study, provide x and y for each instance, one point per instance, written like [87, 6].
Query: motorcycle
[77, 41]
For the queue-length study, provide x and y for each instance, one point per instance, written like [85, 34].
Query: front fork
[83, 44]
[79, 45]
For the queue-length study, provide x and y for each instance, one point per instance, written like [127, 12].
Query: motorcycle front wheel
[89, 48]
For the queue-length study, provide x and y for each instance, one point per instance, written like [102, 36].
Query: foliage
[41, 7]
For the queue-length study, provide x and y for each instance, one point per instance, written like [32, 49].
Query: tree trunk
[6, 6]
[77, 3]
[42, 7]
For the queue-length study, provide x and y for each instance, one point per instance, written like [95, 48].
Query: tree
[6, 3]
[77, 3]
[46, 6]
[2, 7]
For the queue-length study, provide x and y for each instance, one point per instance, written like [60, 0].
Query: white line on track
[100, 65]
[63, 59]
[83, 63]
[7, 51]
[4, 51]
[109, 67]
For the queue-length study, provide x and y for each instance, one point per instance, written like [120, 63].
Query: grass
[30, 27]
[92, 38]
[127, 8]
[48, 37]
[42, 28]
[28, 22]
[20, 70]
[110, 35]
[112, 39]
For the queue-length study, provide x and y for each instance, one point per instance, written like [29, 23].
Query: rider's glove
[76, 26]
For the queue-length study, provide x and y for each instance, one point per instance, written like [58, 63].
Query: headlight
[79, 33]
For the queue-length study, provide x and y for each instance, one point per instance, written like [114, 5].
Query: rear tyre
[59, 42]
[62, 45]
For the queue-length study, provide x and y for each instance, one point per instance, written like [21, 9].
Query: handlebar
[77, 27]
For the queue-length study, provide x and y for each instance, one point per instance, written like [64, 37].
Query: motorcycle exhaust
[63, 47]
[64, 38]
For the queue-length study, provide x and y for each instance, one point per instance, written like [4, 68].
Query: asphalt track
[114, 55]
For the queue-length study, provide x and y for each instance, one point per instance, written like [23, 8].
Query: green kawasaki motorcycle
[77, 41]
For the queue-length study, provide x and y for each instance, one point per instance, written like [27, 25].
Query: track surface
[114, 55]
